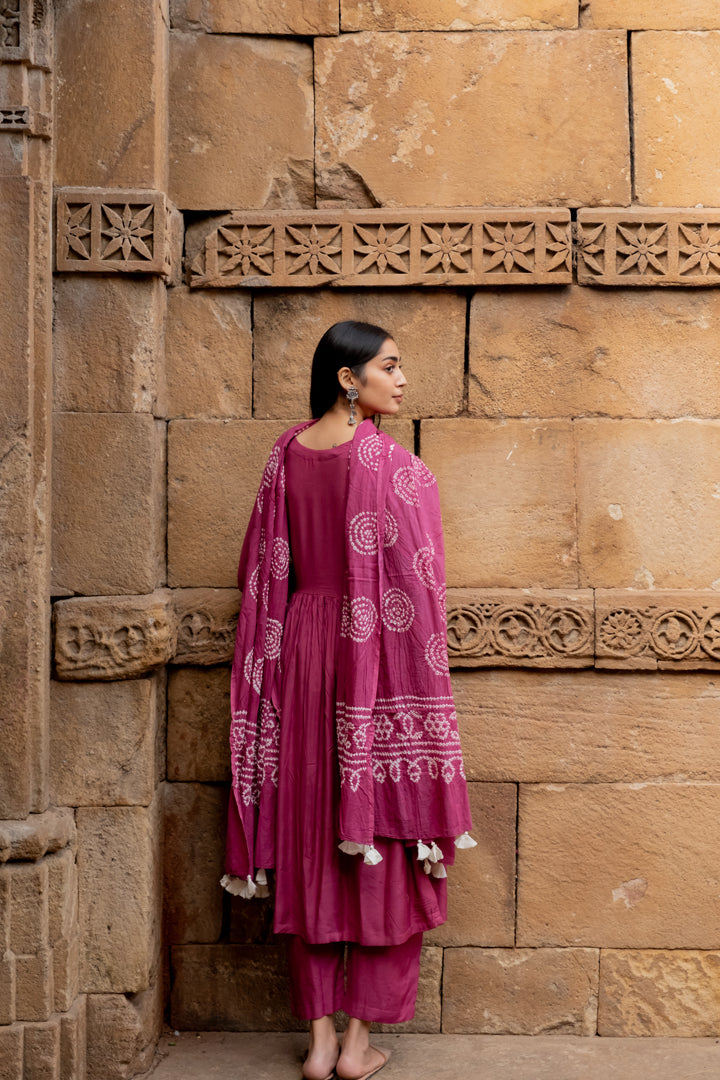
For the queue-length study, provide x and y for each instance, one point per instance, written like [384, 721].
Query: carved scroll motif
[661, 630]
[113, 231]
[520, 628]
[386, 247]
[206, 620]
[648, 247]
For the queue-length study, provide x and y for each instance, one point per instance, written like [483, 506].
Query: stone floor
[251, 1056]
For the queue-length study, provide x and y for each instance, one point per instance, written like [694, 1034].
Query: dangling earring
[352, 396]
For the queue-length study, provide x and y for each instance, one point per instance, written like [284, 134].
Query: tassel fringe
[465, 841]
[246, 887]
[371, 856]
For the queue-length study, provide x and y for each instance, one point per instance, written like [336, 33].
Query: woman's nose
[400, 379]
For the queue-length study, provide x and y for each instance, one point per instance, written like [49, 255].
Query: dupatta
[399, 756]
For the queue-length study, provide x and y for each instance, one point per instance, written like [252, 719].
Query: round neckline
[329, 451]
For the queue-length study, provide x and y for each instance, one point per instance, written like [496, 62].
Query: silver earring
[352, 396]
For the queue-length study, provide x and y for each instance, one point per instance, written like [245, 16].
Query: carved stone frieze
[648, 246]
[470, 246]
[106, 231]
[669, 630]
[206, 622]
[24, 33]
[25, 120]
[37, 835]
[113, 637]
[520, 628]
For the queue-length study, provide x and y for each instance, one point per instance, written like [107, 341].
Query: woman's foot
[323, 1052]
[361, 1065]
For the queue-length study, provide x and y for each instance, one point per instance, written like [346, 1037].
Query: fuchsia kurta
[322, 894]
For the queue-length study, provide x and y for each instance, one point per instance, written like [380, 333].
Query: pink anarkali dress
[323, 894]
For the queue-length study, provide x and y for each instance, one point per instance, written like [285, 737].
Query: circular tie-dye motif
[436, 654]
[363, 533]
[397, 610]
[280, 564]
[253, 582]
[423, 475]
[273, 638]
[391, 530]
[404, 485]
[359, 618]
[252, 670]
[369, 450]
[423, 567]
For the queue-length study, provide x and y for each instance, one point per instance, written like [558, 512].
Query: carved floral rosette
[659, 630]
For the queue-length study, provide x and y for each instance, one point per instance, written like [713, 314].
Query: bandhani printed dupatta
[401, 769]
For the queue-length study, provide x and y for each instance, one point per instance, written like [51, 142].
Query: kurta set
[307, 738]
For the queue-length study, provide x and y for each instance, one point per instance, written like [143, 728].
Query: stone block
[198, 724]
[619, 865]
[428, 1008]
[587, 726]
[208, 354]
[458, 14]
[659, 993]
[107, 503]
[62, 896]
[585, 351]
[481, 884]
[256, 16]
[8, 985]
[194, 834]
[392, 111]
[34, 988]
[430, 330]
[119, 874]
[111, 112]
[507, 497]
[206, 459]
[107, 344]
[224, 92]
[111, 638]
[520, 991]
[676, 126]
[41, 1044]
[648, 508]
[66, 972]
[28, 907]
[73, 1041]
[102, 743]
[231, 988]
[37, 834]
[252, 924]
[122, 1032]
[650, 15]
[11, 1052]
[207, 621]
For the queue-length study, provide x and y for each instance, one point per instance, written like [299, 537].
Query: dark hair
[346, 344]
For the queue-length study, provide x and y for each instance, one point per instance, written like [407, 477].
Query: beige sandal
[372, 1072]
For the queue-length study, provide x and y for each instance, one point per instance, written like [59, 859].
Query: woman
[347, 770]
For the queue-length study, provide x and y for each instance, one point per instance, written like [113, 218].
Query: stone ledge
[673, 631]
[441, 246]
[36, 835]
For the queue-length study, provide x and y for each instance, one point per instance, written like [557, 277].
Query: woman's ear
[345, 378]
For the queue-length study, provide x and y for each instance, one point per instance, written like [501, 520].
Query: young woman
[347, 773]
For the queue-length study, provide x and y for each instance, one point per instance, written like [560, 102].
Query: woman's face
[381, 390]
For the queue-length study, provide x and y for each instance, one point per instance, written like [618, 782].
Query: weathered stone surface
[206, 459]
[657, 629]
[648, 508]
[119, 911]
[619, 866]
[111, 104]
[37, 834]
[102, 743]
[195, 816]
[300, 17]
[73, 1041]
[428, 1008]
[231, 988]
[481, 884]
[113, 638]
[587, 726]
[650, 15]
[224, 93]
[430, 331]
[107, 503]
[520, 991]
[34, 993]
[207, 620]
[11, 1052]
[122, 1031]
[580, 351]
[458, 14]
[208, 354]
[396, 110]
[28, 907]
[8, 985]
[66, 972]
[507, 497]
[339, 246]
[198, 724]
[41, 1051]
[520, 628]
[676, 126]
[107, 344]
[659, 993]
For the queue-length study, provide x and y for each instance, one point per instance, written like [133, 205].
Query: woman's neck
[332, 429]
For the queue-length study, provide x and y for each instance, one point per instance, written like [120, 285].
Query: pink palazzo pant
[379, 982]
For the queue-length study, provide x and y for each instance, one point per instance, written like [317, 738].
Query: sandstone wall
[525, 193]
